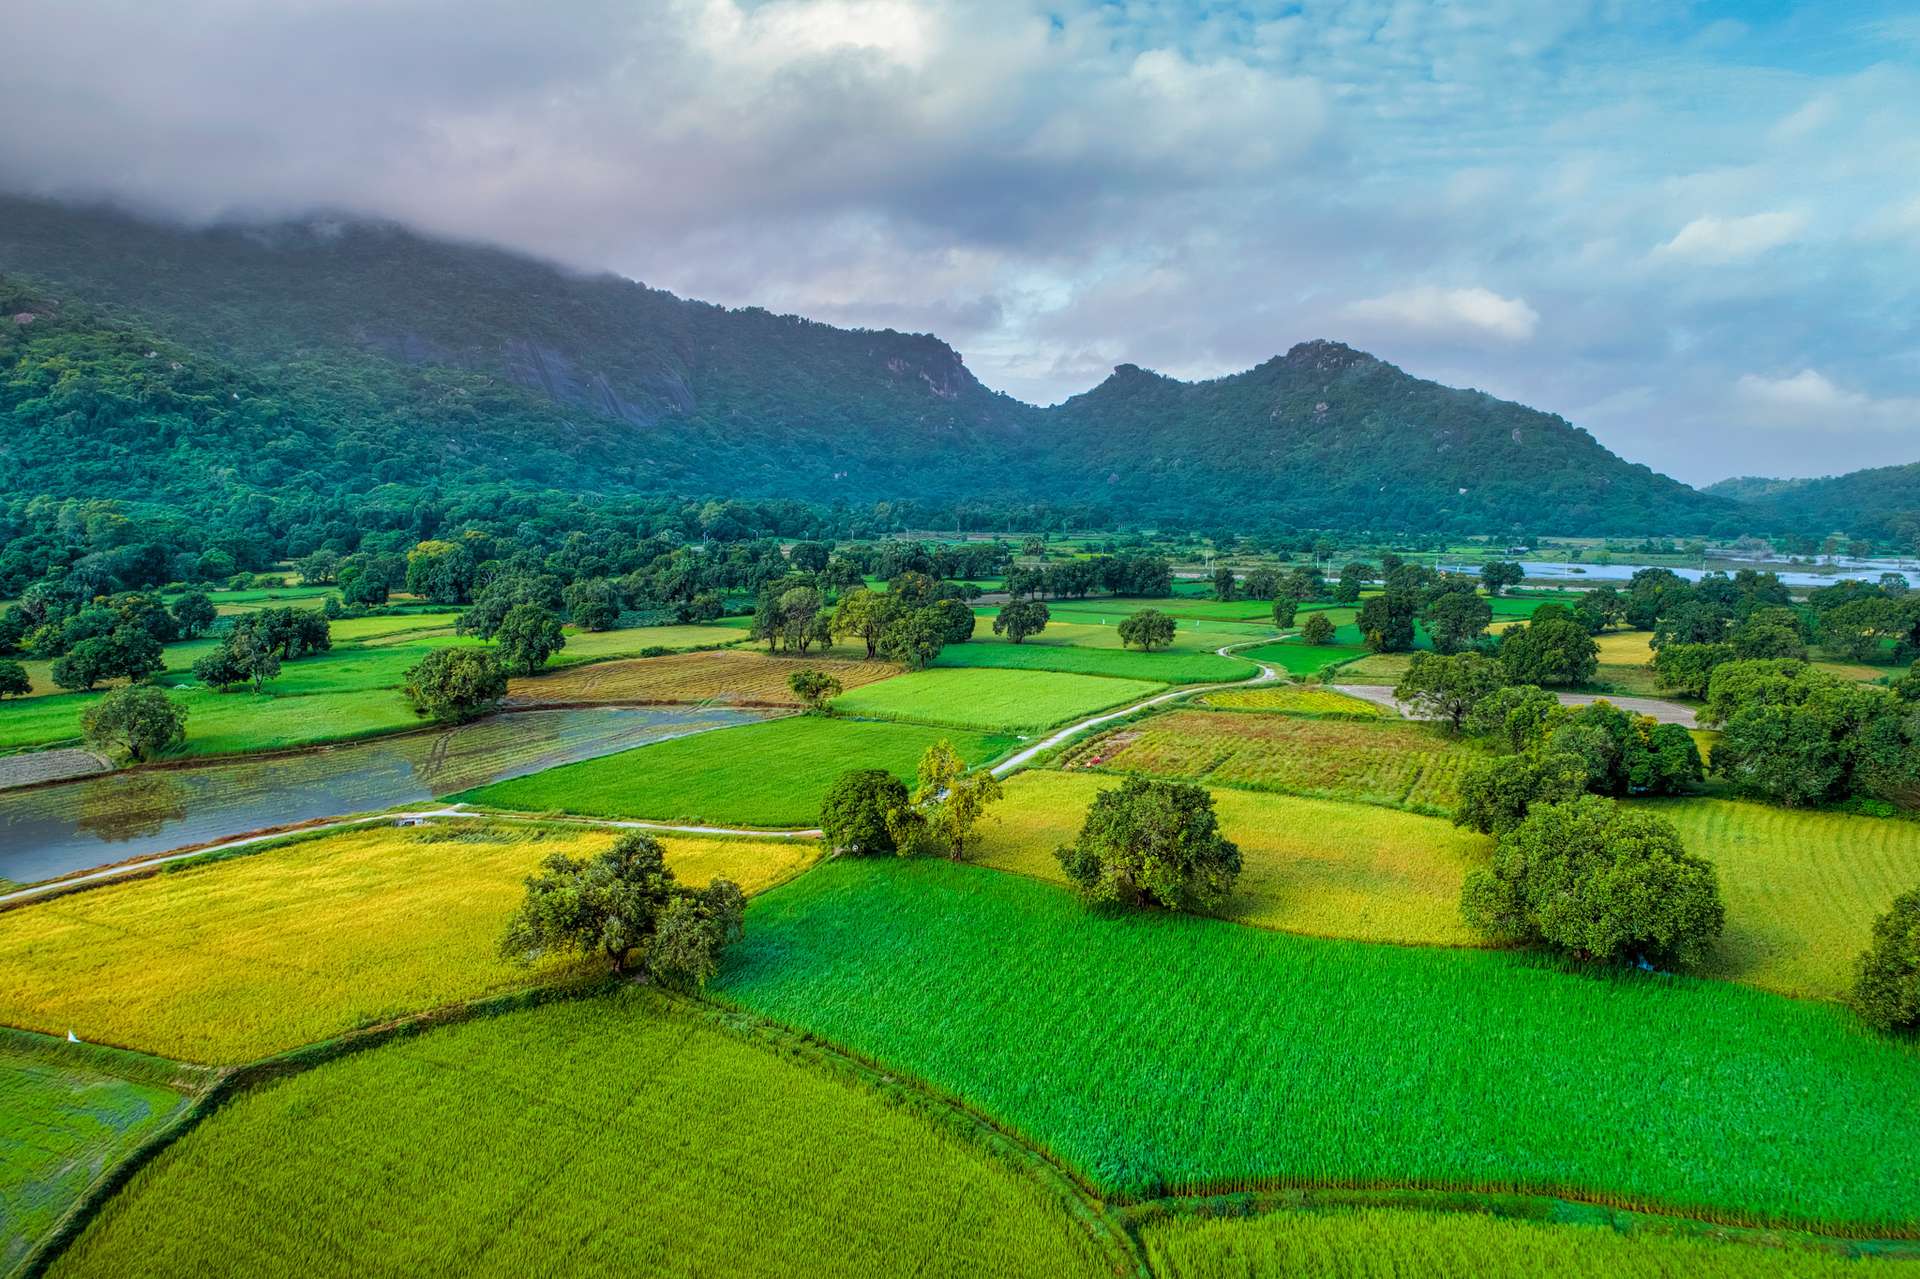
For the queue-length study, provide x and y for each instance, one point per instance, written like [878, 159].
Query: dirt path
[1663, 711]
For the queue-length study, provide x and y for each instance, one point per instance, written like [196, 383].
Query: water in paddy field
[55, 830]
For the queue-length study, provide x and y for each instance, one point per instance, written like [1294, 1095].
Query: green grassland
[1300, 659]
[1167, 666]
[1393, 762]
[1309, 865]
[1388, 1243]
[1013, 701]
[227, 960]
[765, 775]
[68, 1112]
[617, 1135]
[1156, 1052]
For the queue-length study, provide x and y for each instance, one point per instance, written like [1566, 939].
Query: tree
[13, 680]
[138, 722]
[1284, 609]
[1353, 579]
[1601, 882]
[1149, 628]
[1687, 668]
[1499, 575]
[593, 604]
[1886, 984]
[1517, 715]
[1448, 688]
[501, 596]
[1497, 794]
[1021, 618]
[1223, 583]
[915, 639]
[865, 615]
[1152, 842]
[527, 636]
[194, 614]
[1260, 584]
[1456, 619]
[1550, 651]
[87, 663]
[854, 814]
[453, 685]
[621, 901]
[1386, 621]
[953, 799]
[799, 608]
[1318, 630]
[814, 688]
[956, 619]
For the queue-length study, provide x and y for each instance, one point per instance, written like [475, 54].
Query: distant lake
[96, 821]
[1855, 570]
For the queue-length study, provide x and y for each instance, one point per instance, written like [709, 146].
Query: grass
[1385, 1243]
[68, 1113]
[1300, 659]
[1309, 865]
[1167, 667]
[1405, 765]
[1157, 1053]
[1294, 699]
[743, 677]
[607, 1136]
[1014, 701]
[767, 775]
[1802, 888]
[229, 960]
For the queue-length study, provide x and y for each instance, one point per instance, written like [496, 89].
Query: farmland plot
[741, 677]
[1169, 667]
[1294, 699]
[617, 1135]
[1158, 1053]
[1007, 700]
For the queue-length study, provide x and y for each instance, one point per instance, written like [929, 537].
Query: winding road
[1664, 711]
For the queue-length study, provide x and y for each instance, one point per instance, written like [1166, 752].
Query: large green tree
[527, 636]
[857, 812]
[1152, 842]
[1886, 985]
[138, 722]
[453, 685]
[1448, 688]
[1149, 628]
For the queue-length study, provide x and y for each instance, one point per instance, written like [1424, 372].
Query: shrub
[1152, 842]
[1600, 882]
[1886, 989]
[815, 688]
[854, 814]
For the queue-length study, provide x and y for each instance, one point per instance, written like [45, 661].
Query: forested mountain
[1882, 502]
[335, 356]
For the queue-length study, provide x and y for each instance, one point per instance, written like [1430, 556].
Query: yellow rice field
[742, 677]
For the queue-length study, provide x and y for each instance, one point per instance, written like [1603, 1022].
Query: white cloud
[1442, 313]
[1811, 399]
[1717, 239]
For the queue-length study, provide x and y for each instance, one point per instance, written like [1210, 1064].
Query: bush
[1152, 842]
[1600, 882]
[815, 688]
[1886, 988]
[854, 815]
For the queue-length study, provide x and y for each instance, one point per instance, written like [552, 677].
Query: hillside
[366, 354]
[1881, 502]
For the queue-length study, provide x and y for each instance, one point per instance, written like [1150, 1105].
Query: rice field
[1294, 699]
[1014, 701]
[1311, 866]
[1375, 668]
[617, 1135]
[591, 646]
[1158, 1053]
[69, 1112]
[766, 775]
[1096, 624]
[233, 959]
[1388, 1243]
[741, 677]
[1802, 888]
[1300, 659]
[1165, 666]
[1391, 762]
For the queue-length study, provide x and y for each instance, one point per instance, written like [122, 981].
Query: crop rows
[986, 698]
[741, 676]
[1293, 699]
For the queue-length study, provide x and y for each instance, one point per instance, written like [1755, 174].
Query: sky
[1691, 228]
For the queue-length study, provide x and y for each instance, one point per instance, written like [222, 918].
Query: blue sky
[1691, 228]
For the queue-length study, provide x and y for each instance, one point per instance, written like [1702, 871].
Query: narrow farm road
[379, 819]
[1664, 711]
[1266, 676]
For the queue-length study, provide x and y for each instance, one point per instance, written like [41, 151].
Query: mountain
[366, 354]
[1881, 502]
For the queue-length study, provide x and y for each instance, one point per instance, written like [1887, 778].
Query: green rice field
[764, 775]
[1166, 666]
[1157, 1053]
[1014, 701]
[1300, 659]
[68, 1112]
[617, 1135]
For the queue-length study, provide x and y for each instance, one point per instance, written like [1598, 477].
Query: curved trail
[1266, 675]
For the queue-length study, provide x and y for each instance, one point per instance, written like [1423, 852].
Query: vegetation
[454, 685]
[1167, 667]
[1598, 881]
[815, 688]
[768, 775]
[1448, 689]
[1152, 843]
[1626, 1088]
[1318, 629]
[1549, 651]
[981, 698]
[138, 723]
[727, 675]
[1798, 735]
[859, 811]
[1294, 699]
[1022, 618]
[1886, 988]
[951, 800]
[756, 1158]
[527, 636]
[1149, 628]
[621, 900]
[232, 959]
